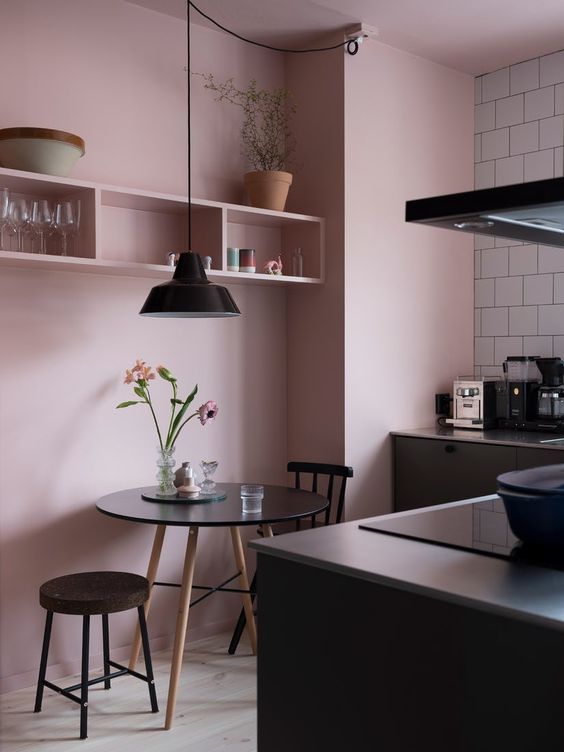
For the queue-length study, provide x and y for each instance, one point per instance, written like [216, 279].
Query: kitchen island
[371, 641]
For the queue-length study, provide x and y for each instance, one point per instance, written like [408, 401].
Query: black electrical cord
[351, 44]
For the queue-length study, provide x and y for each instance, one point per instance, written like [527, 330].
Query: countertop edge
[456, 576]
[492, 436]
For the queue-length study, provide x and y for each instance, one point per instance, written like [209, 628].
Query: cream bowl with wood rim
[43, 150]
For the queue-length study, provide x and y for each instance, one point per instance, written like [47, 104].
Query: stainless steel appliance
[533, 212]
[474, 402]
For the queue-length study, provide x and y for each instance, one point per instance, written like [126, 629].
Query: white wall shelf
[128, 232]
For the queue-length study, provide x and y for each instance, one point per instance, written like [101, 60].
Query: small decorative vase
[208, 485]
[165, 472]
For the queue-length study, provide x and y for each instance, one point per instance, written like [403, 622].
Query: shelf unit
[129, 232]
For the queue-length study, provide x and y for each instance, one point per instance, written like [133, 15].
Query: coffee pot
[550, 395]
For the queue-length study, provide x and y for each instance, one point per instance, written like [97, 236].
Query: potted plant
[266, 138]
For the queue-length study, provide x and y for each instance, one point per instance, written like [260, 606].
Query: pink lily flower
[208, 411]
[131, 377]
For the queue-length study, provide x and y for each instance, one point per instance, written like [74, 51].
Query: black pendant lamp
[189, 294]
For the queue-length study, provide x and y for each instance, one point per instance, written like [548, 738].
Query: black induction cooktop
[480, 527]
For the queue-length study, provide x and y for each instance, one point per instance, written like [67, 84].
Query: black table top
[278, 505]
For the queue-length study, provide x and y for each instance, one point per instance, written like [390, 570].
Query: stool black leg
[147, 656]
[106, 644]
[43, 664]
[84, 677]
[242, 621]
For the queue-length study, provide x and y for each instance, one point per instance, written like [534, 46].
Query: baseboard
[121, 655]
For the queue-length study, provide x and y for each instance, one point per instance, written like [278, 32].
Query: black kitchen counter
[525, 592]
[537, 440]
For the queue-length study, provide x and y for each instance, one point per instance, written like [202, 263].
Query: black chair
[87, 594]
[332, 515]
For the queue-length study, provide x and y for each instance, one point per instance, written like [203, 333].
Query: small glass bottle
[297, 263]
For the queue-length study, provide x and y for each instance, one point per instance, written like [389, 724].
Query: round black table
[279, 504]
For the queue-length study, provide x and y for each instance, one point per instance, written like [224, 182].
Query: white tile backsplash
[539, 165]
[518, 287]
[505, 346]
[495, 144]
[509, 170]
[551, 259]
[484, 117]
[523, 320]
[509, 111]
[484, 175]
[559, 162]
[523, 259]
[541, 346]
[551, 132]
[539, 103]
[558, 99]
[495, 85]
[524, 138]
[495, 262]
[538, 289]
[495, 322]
[509, 291]
[552, 68]
[524, 76]
[484, 293]
[484, 351]
[559, 288]
[551, 319]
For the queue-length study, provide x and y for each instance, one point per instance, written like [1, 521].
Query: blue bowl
[546, 480]
[536, 520]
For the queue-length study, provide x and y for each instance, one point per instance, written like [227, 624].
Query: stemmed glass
[41, 221]
[66, 222]
[4, 216]
[19, 214]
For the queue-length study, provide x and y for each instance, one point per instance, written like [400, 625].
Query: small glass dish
[251, 498]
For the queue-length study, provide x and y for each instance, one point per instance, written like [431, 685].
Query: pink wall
[408, 289]
[316, 316]
[112, 72]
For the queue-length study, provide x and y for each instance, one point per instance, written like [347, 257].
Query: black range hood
[532, 212]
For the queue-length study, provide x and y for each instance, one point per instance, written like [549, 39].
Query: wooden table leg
[181, 623]
[267, 531]
[151, 576]
[244, 584]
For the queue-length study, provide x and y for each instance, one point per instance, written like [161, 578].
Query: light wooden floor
[216, 709]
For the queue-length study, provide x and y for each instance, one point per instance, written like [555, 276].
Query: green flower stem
[172, 414]
[148, 398]
[180, 427]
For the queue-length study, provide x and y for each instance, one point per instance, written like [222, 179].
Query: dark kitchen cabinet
[434, 471]
[536, 457]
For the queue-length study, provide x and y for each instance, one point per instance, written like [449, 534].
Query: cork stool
[88, 594]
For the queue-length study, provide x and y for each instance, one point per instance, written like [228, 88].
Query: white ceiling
[473, 36]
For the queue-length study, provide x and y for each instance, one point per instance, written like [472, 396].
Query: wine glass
[65, 221]
[41, 221]
[76, 227]
[19, 213]
[4, 216]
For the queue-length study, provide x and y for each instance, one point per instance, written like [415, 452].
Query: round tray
[218, 495]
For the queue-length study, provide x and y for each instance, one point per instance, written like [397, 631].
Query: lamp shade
[189, 294]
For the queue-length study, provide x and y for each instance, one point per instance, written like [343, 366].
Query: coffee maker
[550, 395]
[535, 394]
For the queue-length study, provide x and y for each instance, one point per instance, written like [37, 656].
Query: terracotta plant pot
[268, 189]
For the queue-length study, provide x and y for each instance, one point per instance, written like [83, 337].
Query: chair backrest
[334, 512]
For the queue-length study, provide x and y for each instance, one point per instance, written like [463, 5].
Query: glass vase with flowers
[140, 377]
